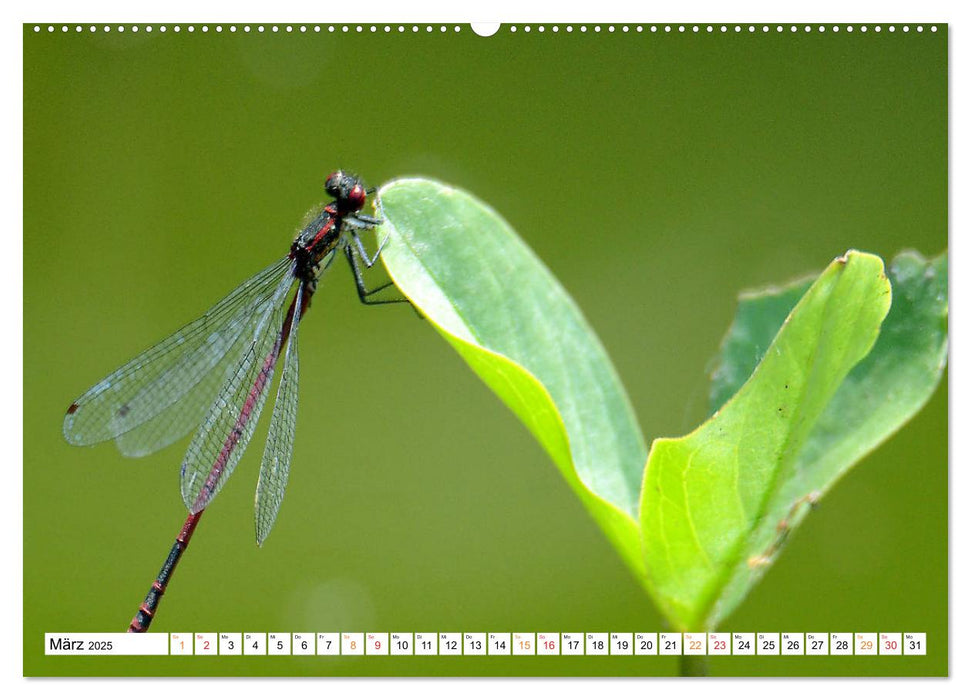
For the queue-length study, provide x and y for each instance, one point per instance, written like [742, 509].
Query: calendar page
[570, 218]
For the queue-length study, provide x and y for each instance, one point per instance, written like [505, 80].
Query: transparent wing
[186, 414]
[275, 468]
[228, 426]
[150, 383]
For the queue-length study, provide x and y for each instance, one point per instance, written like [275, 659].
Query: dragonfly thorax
[313, 244]
[325, 231]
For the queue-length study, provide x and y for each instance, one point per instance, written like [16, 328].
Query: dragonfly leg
[363, 292]
[368, 221]
[368, 261]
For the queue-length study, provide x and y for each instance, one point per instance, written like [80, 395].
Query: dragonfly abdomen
[264, 376]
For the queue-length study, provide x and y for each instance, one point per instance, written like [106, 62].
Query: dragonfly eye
[356, 197]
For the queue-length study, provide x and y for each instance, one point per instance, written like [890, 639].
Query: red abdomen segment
[146, 611]
[263, 378]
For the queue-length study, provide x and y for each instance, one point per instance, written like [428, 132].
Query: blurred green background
[657, 175]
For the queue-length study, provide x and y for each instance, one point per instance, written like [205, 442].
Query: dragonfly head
[348, 191]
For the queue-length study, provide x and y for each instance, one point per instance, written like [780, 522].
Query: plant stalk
[693, 666]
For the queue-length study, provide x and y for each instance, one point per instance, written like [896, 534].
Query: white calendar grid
[530, 644]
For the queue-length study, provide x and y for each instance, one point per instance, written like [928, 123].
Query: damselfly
[214, 374]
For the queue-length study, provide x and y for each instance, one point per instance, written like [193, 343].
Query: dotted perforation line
[721, 28]
[512, 29]
[248, 28]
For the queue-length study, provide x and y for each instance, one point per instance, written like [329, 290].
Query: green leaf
[740, 516]
[488, 294]
[759, 317]
[803, 389]
[880, 394]
[705, 495]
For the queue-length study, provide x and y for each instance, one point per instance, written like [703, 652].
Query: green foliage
[879, 395]
[489, 295]
[810, 378]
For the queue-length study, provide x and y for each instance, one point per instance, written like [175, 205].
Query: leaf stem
[693, 666]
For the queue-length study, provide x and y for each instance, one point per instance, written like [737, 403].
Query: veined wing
[275, 468]
[151, 382]
[225, 432]
[186, 414]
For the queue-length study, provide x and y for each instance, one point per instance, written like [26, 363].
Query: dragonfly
[214, 374]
